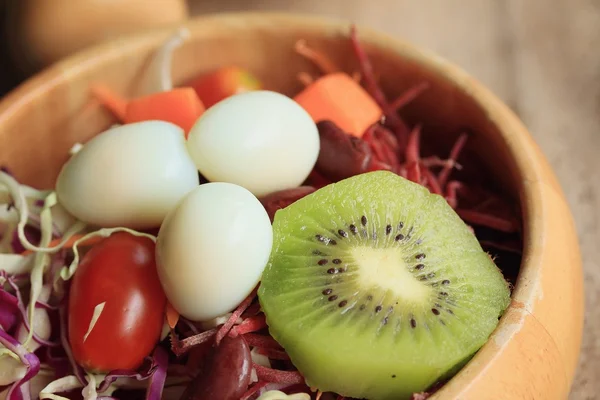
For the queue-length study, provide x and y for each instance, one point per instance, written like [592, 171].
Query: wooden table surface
[543, 58]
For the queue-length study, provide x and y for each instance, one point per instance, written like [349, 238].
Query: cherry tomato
[224, 82]
[120, 271]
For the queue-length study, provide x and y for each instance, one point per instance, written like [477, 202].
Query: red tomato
[121, 271]
[224, 82]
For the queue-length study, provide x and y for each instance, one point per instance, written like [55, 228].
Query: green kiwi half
[377, 289]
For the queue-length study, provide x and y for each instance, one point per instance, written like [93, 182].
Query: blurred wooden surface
[543, 58]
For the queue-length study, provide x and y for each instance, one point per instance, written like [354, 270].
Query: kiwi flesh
[377, 289]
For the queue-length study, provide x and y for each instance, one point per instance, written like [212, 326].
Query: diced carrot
[116, 104]
[339, 98]
[172, 316]
[70, 242]
[224, 82]
[180, 106]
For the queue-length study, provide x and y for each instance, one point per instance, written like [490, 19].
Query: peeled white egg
[129, 176]
[261, 140]
[212, 249]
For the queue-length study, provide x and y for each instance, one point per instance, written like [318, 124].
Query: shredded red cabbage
[23, 313]
[9, 310]
[157, 379]
[143, 373]
[20, 389]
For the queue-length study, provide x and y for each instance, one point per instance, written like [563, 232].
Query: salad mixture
[224, 241]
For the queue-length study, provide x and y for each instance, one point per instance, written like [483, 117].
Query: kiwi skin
[350, 331]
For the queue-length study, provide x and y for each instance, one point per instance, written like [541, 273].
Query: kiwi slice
[377, 289]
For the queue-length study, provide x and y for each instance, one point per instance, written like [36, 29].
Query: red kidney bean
[225, 374]
[198, 356]
[342, 155]
[283, 198]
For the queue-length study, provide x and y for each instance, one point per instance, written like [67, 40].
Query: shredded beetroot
[431, 180]
[390, 157]
[367, 72]
[283, 198]
[409, 95]
[452, 189]
[383, 134]
[377, 165]
[454, 153]
[413, 146]
[254, 389]
[277, 376]
[435, 161]
[273, 354]
[251, 324]
[366, 69]
[180, 347]
[488, 220]
[261, 341]
[234, 316]
[511, 246]
[413, 172]
[381, 152]
[413, 155]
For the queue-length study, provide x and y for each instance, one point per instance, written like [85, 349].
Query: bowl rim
[530, 162]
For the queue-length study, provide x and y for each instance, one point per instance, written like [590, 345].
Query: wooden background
[543, 58]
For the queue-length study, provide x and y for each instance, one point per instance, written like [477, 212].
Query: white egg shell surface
[212, 249]
[128, 176]
[261, 140]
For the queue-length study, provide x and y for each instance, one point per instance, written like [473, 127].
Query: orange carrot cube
[340, 99]
[179, 106]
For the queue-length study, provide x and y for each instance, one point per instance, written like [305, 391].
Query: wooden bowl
[534, 350]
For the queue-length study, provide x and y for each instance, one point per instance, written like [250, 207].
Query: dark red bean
[225, 374]
[198, 357]
[341, 155]
[283, 198]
